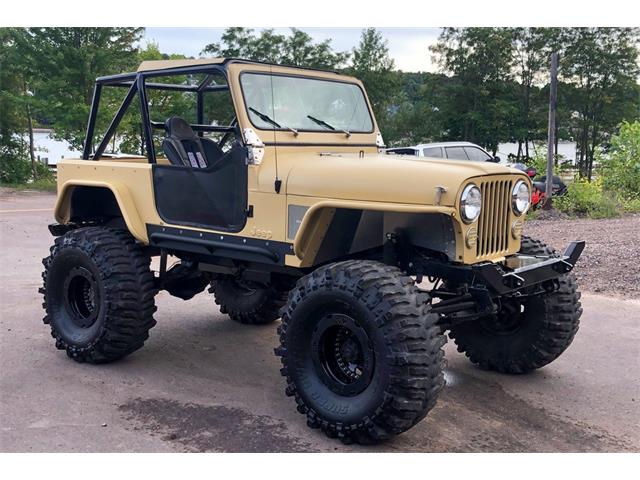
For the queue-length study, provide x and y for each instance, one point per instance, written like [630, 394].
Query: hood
[384, 178]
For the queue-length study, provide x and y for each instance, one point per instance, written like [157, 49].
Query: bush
[631, 205]
[539, 161]
[589, 199]
[621, 171]
[43, 172]
[15, 169]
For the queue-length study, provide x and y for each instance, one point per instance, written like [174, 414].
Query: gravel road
[610, 263]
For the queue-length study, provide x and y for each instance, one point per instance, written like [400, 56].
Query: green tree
[601, 64]
[415, 116]
[372, 64]
[297, 49]
[532, 48]
[66, 62]
[479, 105]
[129, 137]
[17, 105]
[12, 149]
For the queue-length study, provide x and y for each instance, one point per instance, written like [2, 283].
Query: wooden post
[553, 90]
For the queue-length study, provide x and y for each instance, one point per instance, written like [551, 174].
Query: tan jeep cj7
[269, 184]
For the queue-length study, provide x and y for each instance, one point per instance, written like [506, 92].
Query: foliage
[617, 188]
[479, 106]
[297, 49]
[18, 170]
[588, 199]
[66, 62]
[492, 87]
[371, 63]
[538, 161]
[13, 151]
[531, 49]
[497, 88]
[14, 169]
[46, 78]
[600, 66]
[621, 171]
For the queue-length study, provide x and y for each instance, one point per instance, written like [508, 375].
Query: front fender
[319, 215]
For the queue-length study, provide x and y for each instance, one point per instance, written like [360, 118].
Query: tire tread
[129, 287]
[415, 358]
[562, 317]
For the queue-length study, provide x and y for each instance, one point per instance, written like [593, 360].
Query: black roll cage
[136, 83]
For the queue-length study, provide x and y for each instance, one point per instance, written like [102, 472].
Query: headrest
[178, 127]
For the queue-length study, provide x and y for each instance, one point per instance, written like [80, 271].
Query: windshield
[305, 104]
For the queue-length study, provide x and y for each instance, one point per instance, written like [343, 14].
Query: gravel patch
[610, 263]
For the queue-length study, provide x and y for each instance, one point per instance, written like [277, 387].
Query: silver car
[450, 150]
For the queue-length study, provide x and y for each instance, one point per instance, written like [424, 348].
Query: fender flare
[317, 218]
[121, 193]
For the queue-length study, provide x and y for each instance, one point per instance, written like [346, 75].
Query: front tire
[524, 335]
[98, 294]
[361, 352]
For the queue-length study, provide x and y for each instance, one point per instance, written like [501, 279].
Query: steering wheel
[225, 138]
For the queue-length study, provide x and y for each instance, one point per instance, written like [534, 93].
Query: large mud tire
[98, 294]
[361, 352]
[249, 305]
[533, 335]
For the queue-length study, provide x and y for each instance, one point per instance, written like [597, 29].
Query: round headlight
[470, 203]
[520, 197]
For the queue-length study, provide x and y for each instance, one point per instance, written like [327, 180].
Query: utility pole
[553, 97]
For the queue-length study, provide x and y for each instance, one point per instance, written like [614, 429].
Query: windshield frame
[308, 77]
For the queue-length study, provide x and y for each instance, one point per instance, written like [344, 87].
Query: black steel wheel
[361, 352]
[98, 294]
[527, 333]
[343, 354]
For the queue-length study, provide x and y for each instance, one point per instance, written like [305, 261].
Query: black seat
[184, 148]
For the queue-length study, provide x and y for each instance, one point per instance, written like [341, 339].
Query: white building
[49, 150]
[566, 150]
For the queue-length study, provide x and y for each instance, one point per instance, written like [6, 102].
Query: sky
[409, 47]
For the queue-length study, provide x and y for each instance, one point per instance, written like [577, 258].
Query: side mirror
[496, 159]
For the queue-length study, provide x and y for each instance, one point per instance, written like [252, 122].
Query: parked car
[450, 150]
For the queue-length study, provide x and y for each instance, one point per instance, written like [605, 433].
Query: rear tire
[361, 352]
[525, 335]
[98, 294]
[248, 304]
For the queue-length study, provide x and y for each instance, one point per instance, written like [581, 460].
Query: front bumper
[515, 273]
[522, 271]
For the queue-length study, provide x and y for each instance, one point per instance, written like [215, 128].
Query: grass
[44, 185]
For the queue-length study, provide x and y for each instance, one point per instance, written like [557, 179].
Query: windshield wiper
[325, 124]
[266, 118]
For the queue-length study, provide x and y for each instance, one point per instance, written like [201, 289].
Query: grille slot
[493, 224]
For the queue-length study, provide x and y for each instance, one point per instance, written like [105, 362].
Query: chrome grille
[493, 224]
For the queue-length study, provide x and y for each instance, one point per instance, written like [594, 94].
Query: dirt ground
[203, 383]
[610, 263]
